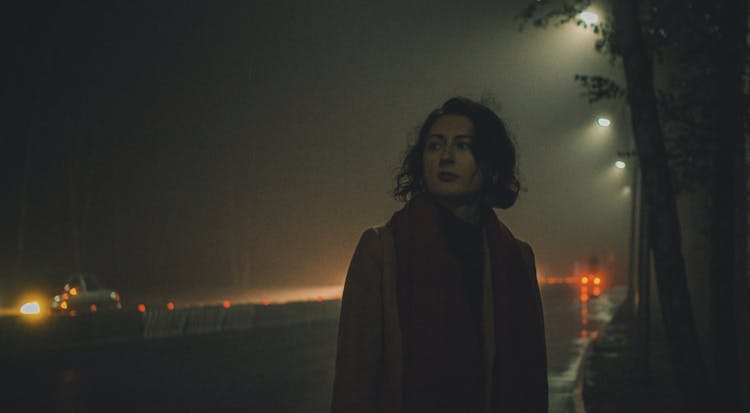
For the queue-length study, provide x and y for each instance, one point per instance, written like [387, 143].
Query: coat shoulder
[527, 255]
[525, 248]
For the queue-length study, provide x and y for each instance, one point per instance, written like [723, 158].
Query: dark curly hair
[492, 148]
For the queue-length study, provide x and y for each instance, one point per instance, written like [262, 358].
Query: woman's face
[450, 169]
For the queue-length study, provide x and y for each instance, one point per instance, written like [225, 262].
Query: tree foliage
[681, 38]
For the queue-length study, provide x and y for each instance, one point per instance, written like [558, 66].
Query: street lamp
[589, 17]
[620, 165]
[603, 122]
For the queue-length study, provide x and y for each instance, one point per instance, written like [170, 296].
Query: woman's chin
[454, 194]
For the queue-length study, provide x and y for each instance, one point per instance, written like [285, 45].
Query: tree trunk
[643, 323]
[727, 209]
[688, 366]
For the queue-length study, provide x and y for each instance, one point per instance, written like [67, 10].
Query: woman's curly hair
[492, 148]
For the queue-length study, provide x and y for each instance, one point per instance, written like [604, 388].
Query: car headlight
[31, 308]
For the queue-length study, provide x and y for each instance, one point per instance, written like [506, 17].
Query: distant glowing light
[141, 308]
[320, 298]
[170, 306]
[73, 291]
[31, 308]
[597, 281]
[589, 17]
[585, 280]
[73, 313]
[64, 305]
[266, 302]
[227, 304]
[603, 122]
[92, 308]
[620, 165]
[597, 291]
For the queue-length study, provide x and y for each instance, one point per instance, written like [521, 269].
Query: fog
[209, 148]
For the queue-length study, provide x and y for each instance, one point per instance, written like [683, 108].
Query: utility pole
[634, 195]
[639, 289]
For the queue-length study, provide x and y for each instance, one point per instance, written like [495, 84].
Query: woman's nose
[448, 153]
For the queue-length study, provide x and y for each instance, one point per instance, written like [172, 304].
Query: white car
[83, 293]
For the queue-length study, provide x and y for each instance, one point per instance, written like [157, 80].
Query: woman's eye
[433, 146]
[463, 145]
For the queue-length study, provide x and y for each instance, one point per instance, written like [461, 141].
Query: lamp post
[639, 289]
[634, 195]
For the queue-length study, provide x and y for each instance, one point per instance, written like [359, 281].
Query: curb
[578, 404]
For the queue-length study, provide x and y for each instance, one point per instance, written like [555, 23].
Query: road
[277, 369]
[570, 325]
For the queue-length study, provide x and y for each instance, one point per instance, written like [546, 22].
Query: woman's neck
[464, 208]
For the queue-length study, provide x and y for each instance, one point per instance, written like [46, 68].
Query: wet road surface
[277, 369]
[570, 325]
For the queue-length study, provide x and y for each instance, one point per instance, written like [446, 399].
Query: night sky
[221, 146]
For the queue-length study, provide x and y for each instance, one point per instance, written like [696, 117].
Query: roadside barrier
[164, 323]
[201, 320]
[20, 334]
[239, 317]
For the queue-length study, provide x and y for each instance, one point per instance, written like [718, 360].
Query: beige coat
[368, 374]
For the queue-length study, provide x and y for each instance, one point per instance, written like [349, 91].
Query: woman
[441, 309]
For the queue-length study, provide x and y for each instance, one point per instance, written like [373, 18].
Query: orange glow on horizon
[227, 304]
[170, 306]
[266, 302]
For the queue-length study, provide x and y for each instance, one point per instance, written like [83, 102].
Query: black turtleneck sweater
[465, 242]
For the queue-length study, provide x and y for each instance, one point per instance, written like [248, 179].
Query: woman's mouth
[447, 176]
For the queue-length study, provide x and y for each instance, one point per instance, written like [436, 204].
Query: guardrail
[24, 333]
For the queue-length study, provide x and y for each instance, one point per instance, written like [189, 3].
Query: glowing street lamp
[620, 165]
[603, 122]
[589, 17]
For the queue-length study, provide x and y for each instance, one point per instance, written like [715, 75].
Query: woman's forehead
[452, 125]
